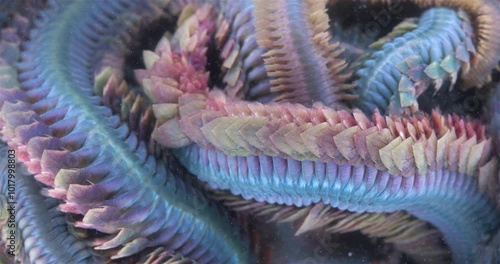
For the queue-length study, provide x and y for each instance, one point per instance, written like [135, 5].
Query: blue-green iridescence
[431, 53]
[448, 200]
[62, 48]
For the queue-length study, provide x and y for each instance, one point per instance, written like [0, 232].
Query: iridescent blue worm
[92, 161]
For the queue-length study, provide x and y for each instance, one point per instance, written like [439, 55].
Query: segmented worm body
[252, 98]
[294, 155]
[483, 14]
[89, 159]
[354, 188]
[394, 75]
[38, 223]
[244, 73]
[304, 66]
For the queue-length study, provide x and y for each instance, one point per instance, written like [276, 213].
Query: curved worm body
[441, 169]
[244, 73]
[294, 155]
[483, 15]
[37, 220]
[89, 159]
[448, 200]
[394, 75]
[301, 60]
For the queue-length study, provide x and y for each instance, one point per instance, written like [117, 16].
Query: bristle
[336, 140]
[288, 59]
